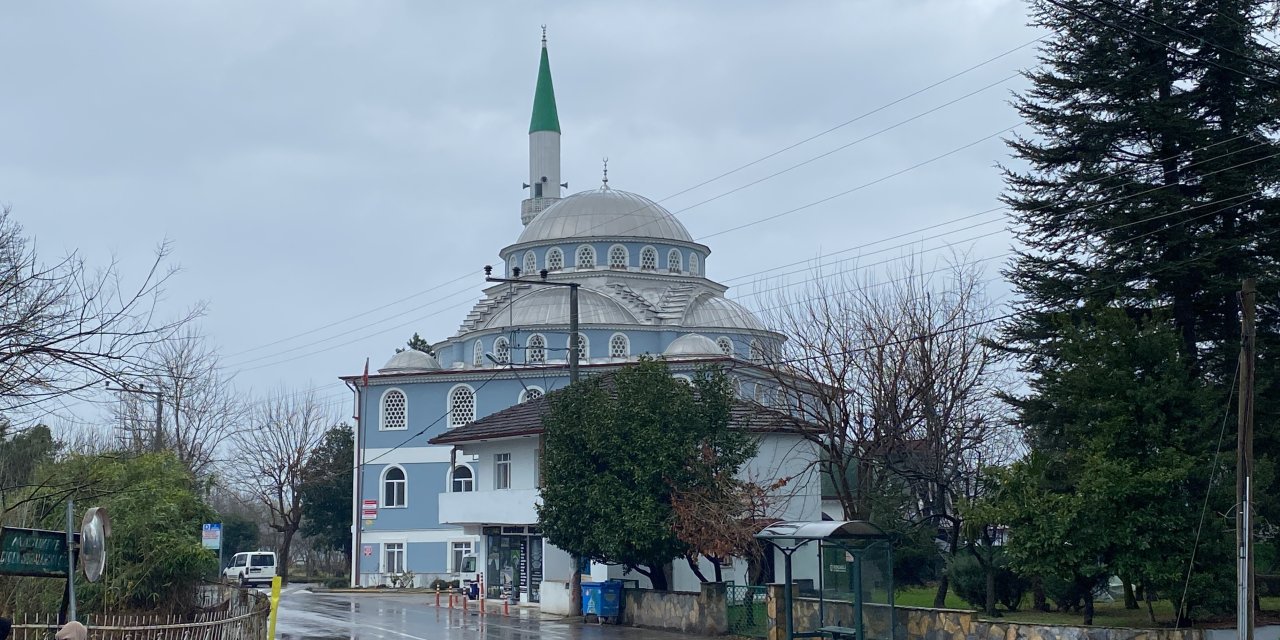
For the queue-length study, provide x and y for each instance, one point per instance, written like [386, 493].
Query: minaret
[544, 144]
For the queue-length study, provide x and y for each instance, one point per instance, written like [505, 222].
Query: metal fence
[229, 614]
[747, 614]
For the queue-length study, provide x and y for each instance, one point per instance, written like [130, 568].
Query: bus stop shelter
[858, 547]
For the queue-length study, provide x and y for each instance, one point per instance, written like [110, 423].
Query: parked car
[251, 567]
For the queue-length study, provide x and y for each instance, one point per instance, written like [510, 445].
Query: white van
[251, 567]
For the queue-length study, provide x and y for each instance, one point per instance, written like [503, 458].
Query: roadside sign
[211, 535]
[366, 550]
[33, 552]
[369, 510]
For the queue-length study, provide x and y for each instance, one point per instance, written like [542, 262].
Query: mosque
[447, 445]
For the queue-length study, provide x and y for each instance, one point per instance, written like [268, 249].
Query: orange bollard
[450, 600]
[506, 607]
[464, 603]
[437, 596]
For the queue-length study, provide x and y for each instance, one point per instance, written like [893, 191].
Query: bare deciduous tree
[898, 377]
[201, 409]
[65, 328]
[270, 456]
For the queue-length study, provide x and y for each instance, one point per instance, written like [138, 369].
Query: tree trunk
[658, 578]
[719, 574]
[1146, 595]
[940, 598]
[282, 562]
[1038, 601]
[1130, 600]
[990, 570]
[693, 566]
[1088, 606]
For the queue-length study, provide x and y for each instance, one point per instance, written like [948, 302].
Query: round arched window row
[394, 487]
[462, 406]
[649, 259]
[725, 344]
[462, 480]
[536, 349]
[586, 257]
[674, 264]
[618, 257]
[555, 259]
[502, 350]
[530, 262]
[619, 346]
[395, 411]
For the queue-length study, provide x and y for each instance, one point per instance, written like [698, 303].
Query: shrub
[439, 585]
[337, 582]
[970, 581]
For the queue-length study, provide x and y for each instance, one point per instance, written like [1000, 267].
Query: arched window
[395, 411]
[462, 480]
[619, 346]
[725, 344]
[462, 405]
[586, 257]
[583, 351]
[648, 258]
[532, 393]
[535, 349]
[394, 487]
[693, 264]
[555, 259]
[618, 257]
[511, 267]
[502, 351]
[477, 354]
[756, 353]
[530, 263]
[673, 261]
[683, 378]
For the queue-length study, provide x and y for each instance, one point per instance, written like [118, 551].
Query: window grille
[555, 259]
[673, 261]
[462, 406]
[725, 344]
[617, 257]
[395, 411]
[586, 257]
[619, 346]
[649, 259]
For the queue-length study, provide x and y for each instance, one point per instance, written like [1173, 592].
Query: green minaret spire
[545, 117]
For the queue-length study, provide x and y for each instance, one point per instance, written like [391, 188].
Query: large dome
[607, 213]
[551, 306]
[714, 311]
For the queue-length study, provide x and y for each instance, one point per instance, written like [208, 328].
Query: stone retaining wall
[704, 613]
[915, 623]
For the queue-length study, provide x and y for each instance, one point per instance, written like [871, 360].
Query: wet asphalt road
[317, 616]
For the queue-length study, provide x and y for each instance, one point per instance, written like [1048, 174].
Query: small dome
[692, 345]
[551, 306]
[410, 360]
[714, 311]
[605, 213]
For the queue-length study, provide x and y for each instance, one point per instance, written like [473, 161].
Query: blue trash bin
[611, 600]
[591, 598]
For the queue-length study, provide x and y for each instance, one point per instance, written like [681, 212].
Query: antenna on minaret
[544, 35]
[606, 173]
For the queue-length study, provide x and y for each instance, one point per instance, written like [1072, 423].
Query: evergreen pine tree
[1150, 185]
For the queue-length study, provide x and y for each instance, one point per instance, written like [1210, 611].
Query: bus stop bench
[839, 633]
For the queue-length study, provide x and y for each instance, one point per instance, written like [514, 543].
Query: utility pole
[1244, 465]
[575, 577]
[157, 439]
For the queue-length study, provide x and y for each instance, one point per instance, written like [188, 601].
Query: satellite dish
[93, 542]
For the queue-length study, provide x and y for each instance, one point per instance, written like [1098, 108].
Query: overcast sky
[311, 161]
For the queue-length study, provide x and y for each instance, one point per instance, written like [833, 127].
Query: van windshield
[262, 561]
